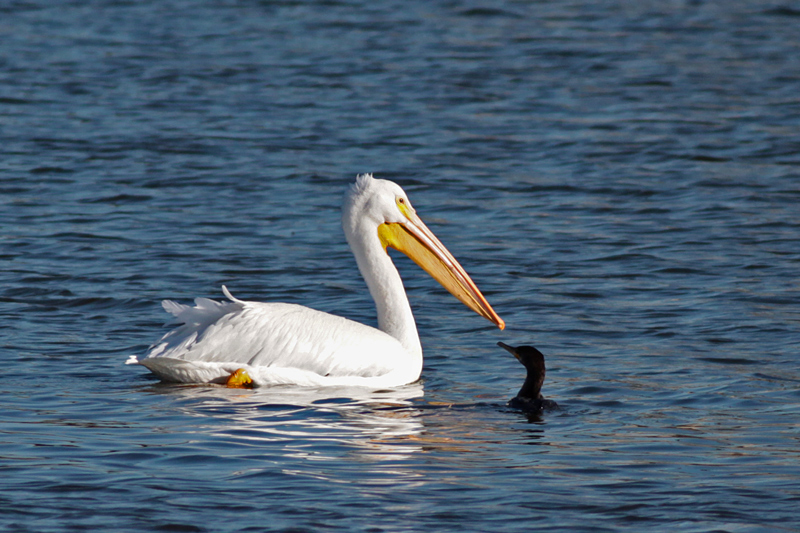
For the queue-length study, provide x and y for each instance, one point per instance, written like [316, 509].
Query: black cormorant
[529, 398]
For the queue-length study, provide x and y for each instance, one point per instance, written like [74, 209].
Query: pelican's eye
[403, 205]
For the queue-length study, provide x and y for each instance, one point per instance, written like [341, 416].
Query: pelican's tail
[204, 312]
[192, 322]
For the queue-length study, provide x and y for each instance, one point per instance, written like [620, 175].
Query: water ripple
[621, 181]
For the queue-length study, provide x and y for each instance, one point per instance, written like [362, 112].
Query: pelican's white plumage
[279, 343]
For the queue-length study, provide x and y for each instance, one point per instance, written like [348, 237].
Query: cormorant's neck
[532, 388]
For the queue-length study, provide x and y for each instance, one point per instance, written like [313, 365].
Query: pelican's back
[275, 336]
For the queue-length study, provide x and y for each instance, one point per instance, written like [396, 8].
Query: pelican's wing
[276, 335]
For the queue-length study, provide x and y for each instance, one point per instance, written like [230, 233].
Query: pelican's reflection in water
[319, 424]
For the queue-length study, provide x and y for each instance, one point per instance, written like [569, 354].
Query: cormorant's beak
[510, 349]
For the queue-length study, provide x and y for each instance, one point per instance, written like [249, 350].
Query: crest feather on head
[356, 193]
[361, 184]
[354, 198]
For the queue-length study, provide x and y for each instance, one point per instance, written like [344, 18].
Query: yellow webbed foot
[240, 380]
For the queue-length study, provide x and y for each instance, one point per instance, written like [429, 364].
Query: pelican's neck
[385, 285]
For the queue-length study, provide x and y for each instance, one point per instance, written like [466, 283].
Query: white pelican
[280, 343]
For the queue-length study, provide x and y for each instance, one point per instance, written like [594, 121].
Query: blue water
[621, 179]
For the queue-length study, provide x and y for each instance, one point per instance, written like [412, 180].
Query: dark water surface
[622, 179]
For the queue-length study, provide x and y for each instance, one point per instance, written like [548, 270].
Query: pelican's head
[384, 205]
